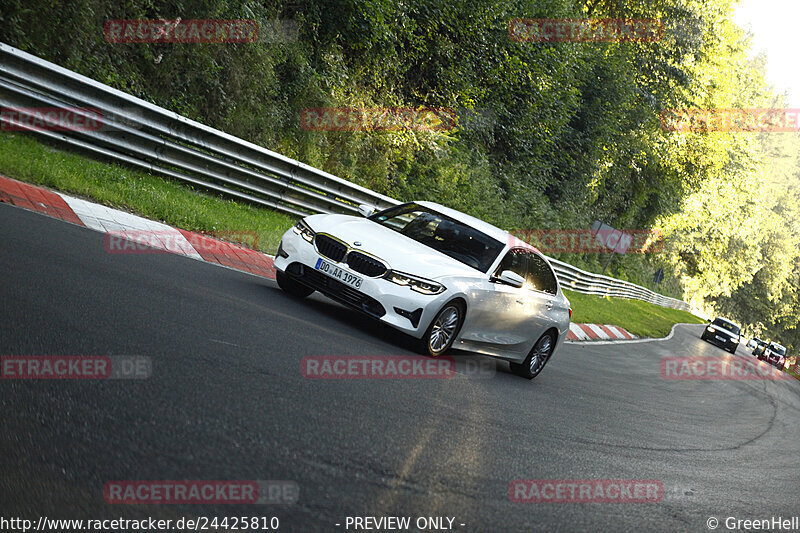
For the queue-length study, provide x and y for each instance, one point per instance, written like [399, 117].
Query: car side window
[515, 261]
[539, 276]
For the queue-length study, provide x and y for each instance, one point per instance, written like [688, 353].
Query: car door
[542, 307]
[497, 312]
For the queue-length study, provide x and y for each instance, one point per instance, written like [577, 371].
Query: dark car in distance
[724, 333]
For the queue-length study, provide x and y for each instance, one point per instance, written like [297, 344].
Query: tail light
[570, 313]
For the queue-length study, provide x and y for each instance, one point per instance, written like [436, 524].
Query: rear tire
[538, 357]
[295, 288]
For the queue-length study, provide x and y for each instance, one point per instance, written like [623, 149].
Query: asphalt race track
[227, 401]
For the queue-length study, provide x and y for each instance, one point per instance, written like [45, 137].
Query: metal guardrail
[138, 133]
[578, 280]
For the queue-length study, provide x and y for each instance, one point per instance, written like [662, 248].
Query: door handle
[520, 301]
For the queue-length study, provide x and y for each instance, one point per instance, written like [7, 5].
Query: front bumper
[724, 341]
[379, 298]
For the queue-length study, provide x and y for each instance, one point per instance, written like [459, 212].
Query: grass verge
[640, 318]
[24, 158]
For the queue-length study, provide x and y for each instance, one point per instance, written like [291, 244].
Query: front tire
[295, 288]
[537, 358]
[443, 330]
[733, 350]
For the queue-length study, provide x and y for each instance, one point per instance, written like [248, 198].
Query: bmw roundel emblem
[357, 243]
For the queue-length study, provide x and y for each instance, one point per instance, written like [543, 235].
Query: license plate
[338, 273]
[720, 338]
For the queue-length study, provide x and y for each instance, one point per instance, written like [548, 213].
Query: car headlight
[710, 329]
[302, 229]
[421, 285]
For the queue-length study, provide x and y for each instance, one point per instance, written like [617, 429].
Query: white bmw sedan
[441, 276]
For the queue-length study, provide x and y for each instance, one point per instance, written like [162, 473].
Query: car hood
[398, 251]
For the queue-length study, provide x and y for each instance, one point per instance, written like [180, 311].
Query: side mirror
[511, 278]
[365, 210]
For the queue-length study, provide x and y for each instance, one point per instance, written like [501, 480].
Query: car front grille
[339, 252]
[364, 264]
[330, 247]
[336, 289]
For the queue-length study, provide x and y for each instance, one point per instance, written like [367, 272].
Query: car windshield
[442, 233]
[778, 349]
[730, 326]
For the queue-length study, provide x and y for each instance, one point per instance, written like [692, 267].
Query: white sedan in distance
[445, 278]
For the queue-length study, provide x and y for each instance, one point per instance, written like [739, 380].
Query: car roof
[728, 320]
